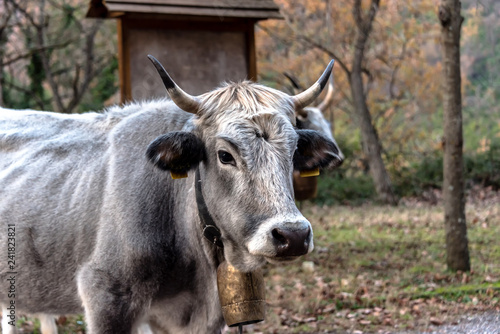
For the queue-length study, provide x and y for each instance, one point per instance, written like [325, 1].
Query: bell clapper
[241, 328]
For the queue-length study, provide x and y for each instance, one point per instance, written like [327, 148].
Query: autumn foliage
[401, 69]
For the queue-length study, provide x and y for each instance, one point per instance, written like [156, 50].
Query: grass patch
[457, 292]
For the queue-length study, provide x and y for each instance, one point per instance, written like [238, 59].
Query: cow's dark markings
[34, 254]
[314, 151]
[176, 151]
[188, 313]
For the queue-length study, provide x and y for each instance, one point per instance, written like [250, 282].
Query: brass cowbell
[242, 295]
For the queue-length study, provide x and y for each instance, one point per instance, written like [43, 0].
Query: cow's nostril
[282, 241]
[291, 242]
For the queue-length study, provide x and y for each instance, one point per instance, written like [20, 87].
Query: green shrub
[414, 179]
[335, 187]
[484, 168]
[354, 186]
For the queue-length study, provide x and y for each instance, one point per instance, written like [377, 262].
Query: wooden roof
[249, 9]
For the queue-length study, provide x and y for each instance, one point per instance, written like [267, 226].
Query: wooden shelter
[200, 42]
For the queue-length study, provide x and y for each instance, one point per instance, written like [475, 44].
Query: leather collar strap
[210, 230]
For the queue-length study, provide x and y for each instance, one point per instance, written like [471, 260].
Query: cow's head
[246, 146]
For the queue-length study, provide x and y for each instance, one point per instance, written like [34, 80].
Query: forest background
[53, 59]
[402, 74]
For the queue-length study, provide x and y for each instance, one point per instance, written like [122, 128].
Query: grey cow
[101, 227]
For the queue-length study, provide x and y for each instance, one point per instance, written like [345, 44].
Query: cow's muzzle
[291, 243]
[282, 239]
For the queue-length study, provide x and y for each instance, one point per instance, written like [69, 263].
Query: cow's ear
[314, 151]
[177, 152]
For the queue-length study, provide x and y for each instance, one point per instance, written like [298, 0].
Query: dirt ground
[379, 269]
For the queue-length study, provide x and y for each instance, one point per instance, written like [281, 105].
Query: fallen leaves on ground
[379, 269]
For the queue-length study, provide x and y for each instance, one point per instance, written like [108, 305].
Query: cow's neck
[210, 229]
[211, 233]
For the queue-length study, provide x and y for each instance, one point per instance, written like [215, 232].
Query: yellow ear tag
[309, 173]
[176, 176]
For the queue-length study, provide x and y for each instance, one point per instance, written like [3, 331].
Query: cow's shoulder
[147, 120]
[19, 128]
[22, 128]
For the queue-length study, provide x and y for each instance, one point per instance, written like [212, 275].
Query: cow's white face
[247, 184]
[316, 121]
[246, 147]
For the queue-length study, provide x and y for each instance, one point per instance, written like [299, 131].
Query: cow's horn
[327, 101]
[182, 99]
[308, 96]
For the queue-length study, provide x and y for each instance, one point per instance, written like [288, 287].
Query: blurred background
[53, 58]
[376, 268]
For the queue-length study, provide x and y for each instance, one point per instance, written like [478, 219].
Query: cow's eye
[226, 158]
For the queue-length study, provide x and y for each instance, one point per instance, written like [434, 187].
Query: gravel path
[485, 323]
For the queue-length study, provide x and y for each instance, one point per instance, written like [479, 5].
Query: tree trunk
[369, 137]
[371, 142]
[457, 249]
[1, 86]
[3, 42]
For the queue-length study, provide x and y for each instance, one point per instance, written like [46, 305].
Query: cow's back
[54, 171]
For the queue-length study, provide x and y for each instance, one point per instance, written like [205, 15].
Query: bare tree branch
[35, 50]
[40, 37]
[311, 42]
[23, 11]
[38, 100]
[89, 66]
[326, 50]
[365, 24]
